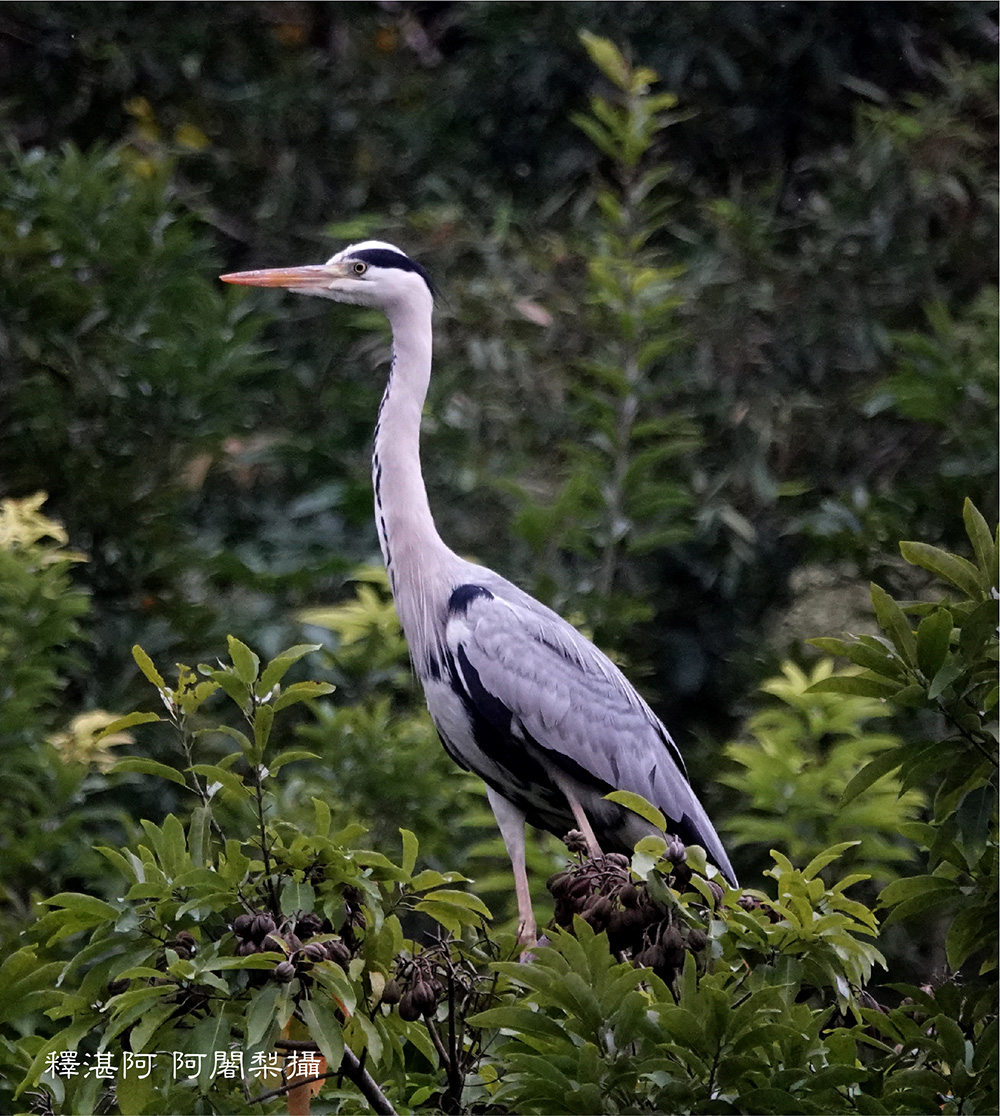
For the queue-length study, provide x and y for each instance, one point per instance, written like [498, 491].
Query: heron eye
[360, 268]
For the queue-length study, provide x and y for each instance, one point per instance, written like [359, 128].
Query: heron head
[371, 273]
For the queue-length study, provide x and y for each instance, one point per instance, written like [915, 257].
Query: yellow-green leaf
[145, 664]
[245, 662]
[639, 805]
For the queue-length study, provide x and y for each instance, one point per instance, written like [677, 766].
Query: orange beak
[309, 278]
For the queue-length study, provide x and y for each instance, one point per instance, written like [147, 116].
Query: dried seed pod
[408, 1010]
[669, 936]
[563, 914]
[748, 902]
[245, 949]
[575, 841]
[672, 957]
[618, 860]
[628, 895]
[270, 945]
[337, 951]
[292, 942]
[682, 874]
[262, 925]
[242, 925]
[598, 911]
[696, 939]
[559, 882]
[308, 925]
[392, 993]
[423, 997]
[284, 971]
[650, 958]
[717, 893]
[580, 888]
[314, 951]
[184, 945]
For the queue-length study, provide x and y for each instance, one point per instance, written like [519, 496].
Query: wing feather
[573, 702]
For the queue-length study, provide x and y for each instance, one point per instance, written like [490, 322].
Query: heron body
[518, 696]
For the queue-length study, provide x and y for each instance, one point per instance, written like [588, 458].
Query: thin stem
[265, 855]
[350, 1067]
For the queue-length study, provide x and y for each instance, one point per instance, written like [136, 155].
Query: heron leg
[582, 821]
[511, 823]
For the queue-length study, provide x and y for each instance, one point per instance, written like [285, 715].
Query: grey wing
[558, 693]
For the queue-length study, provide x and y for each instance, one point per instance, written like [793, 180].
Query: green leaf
[521, 1020]
[324, 1029]
[90, 909]
[960, 572]
[127, 722]
[463, 899]
[145, 664]
[974, 816]
[410, 849]
[241, 738]
[291, 756]
[862, 685]
[261, 1013]
[230, 682]
[227, 779]
[147, 1026]
[323, 817]
[452, 916]
[933, 641]
[278, 666]
[297, 895]
[878, 659]
[638, 805]
[263, 718]
[607, 58]
[148, 767]
[882, 764]
[200, 835]
[983, 542]
[302, 691]
[245, 662]
[174, 851]
[821, 860]
[952, 670]
[968, 933]
[914, 887]
[894, 623]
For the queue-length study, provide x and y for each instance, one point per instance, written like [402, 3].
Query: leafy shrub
[798, 762]
[945, 667]
[237, 927]
[43, 788]
[123, 367]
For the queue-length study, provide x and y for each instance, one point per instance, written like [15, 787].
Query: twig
[350, 1067]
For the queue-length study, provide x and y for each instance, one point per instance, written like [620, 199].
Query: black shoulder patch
[382, 257]
[464, 595]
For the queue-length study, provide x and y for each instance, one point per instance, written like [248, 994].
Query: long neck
[413, 551]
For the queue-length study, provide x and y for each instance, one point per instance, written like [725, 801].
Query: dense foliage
[260, 952]
[718, 329]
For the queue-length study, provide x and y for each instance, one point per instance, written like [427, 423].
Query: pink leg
[511, 823]
[582, 821]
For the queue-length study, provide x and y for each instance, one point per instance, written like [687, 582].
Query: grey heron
[517, 694]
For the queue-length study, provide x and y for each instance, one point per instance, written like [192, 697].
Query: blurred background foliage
[796, 260]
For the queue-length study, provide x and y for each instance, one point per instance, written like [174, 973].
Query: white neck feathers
[413, 551]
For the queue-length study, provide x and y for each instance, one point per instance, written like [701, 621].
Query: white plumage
[517, 694]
